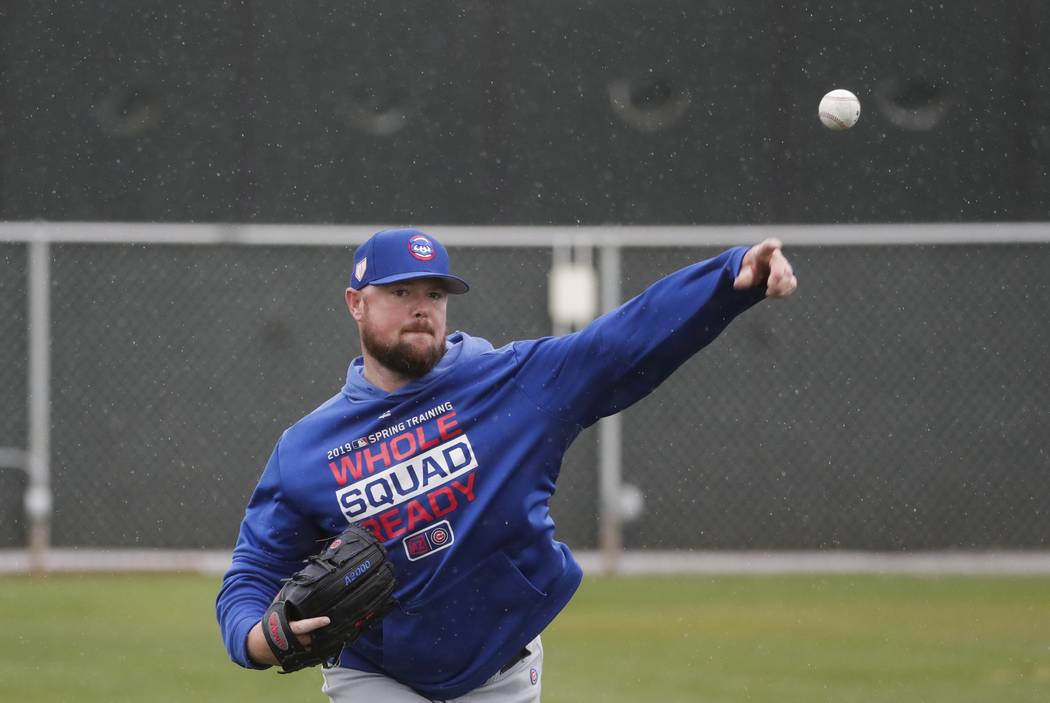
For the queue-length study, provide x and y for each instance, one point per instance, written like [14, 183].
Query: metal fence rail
[897, 403]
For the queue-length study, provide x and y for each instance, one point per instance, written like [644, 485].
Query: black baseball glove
[351, 581]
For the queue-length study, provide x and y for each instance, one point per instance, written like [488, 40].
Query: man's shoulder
[470, 347]
[336, 410]
[477, 353]
[334, 404]
[474, 347]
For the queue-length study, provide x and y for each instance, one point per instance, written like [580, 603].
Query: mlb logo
[358, 443]
[427, 541]
[417, 546]
[421, 248]
[534, 676]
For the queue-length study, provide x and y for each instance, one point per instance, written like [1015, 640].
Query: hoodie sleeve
[274, 539]
[622, 356]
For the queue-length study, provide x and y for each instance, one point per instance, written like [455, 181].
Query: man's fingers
[770, 245]
[779, 266]
[301, 627]
[781, 281]
[763, 263]
[762, 253]
[783, 288]
[777, 258]
[744, 279]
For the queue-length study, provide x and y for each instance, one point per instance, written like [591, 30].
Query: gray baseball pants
[518, 684]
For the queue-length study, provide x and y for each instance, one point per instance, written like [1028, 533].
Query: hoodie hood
[460, 347]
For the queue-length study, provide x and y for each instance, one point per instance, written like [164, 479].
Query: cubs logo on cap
[394, 255]
[421, 247]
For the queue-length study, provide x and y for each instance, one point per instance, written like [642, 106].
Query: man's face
[403, 324]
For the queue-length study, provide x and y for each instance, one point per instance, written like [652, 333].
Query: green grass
[848, 639]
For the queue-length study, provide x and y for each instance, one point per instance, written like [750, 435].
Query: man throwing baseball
[447, 450]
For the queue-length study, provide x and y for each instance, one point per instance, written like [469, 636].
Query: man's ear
[355, 303]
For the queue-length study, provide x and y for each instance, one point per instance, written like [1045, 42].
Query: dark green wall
[530, 113]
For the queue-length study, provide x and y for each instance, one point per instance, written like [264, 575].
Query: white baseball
[839, 110]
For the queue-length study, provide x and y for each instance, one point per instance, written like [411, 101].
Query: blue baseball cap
[394, 255]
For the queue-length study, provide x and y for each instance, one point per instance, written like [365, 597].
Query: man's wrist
[259, 652]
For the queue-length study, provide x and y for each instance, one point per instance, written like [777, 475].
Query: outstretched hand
[765, 264]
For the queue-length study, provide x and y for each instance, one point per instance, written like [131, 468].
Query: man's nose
[420, 308]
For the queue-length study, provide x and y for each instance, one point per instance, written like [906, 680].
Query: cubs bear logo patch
[429, 540]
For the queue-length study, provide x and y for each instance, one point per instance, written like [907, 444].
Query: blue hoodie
[454, 473]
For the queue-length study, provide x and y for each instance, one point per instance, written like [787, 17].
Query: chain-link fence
[13, 391]
[177, 368]
[898, 401]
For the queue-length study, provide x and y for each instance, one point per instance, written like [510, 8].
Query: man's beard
[402, 356]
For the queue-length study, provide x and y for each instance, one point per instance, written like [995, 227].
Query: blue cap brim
[453, 284]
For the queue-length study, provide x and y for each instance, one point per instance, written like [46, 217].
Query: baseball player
[448, 450]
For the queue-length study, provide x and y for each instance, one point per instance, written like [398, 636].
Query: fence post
[38, 500]
[610, 536]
